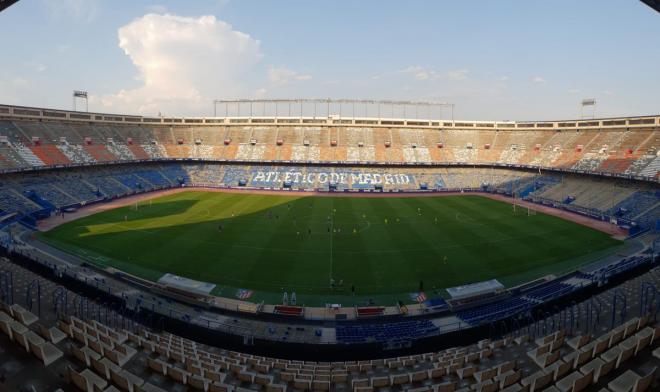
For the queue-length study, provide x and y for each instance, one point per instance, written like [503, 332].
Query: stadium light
[82, 95]
[314, 108]
[588, 102]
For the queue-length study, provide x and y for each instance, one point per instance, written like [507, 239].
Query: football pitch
[384, 247]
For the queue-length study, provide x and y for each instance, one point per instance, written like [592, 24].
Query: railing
[66, 115]
[333, 164]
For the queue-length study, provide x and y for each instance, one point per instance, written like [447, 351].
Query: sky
[495, 60]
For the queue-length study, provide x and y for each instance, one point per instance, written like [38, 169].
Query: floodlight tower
[82, 95]
[588, 102]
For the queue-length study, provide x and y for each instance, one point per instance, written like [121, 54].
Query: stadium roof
[6, 3]
[655, 4]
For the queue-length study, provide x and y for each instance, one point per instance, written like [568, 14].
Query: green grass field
[382, 246]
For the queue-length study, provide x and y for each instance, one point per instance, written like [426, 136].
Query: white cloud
[183, 63]
[78, 10]
[419, 73]
[574, 91]
[538, 80]
[608, 92]
[281, 76]
[459, 74]
[36, 66]
[503, 78]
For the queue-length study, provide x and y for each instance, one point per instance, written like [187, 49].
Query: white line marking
[332, 229]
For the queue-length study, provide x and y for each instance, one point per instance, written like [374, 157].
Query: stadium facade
[56, 161]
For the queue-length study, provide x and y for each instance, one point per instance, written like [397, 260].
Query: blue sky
[496, 60]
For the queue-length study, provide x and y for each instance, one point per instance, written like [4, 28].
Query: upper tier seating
[32, 144]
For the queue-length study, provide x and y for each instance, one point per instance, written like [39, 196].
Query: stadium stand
[68, 325]
[68, 347]
[624, 200]
[632, 151]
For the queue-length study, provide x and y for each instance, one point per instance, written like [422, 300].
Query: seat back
[616, 337]
[78, 380]
[119, 380]
[656, 334]
[644, 383]
[642, 343]
[552, 358]
[489, 387]
[506, 366]
[43, 331]
[540, 382]
[607, 367]
[37, 350]
[447, 387]
[625, 355]
[512, 378]
[562, 369]
[583, 357]
[20, 339]
[583, 382]
[80, 354]
[99, 367]
[600, 346]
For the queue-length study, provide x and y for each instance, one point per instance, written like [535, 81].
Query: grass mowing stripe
[269, 243]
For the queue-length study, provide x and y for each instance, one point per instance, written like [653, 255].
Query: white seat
[17, 329]
[611, 354]
[23, 315]
[544, 360]
[380, 382]
[566, 383]
[558, 369]
[46, 352]
[486, 386]
[87, 380]
[53, 334]
[626, 354]
[117, 357]
[656, 353]
[485, 375]
[126, 380]
[448, 386]
[319, 385]
[5, 324]
[27, 338]
[85, 355]
[629, 379]
[146, 387]
[578, 341]
[575, 382]
[158, 365]
[399, 379]
[599, 367]
[103, 367]
[509, 378]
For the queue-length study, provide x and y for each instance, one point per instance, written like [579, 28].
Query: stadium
[327, 245]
